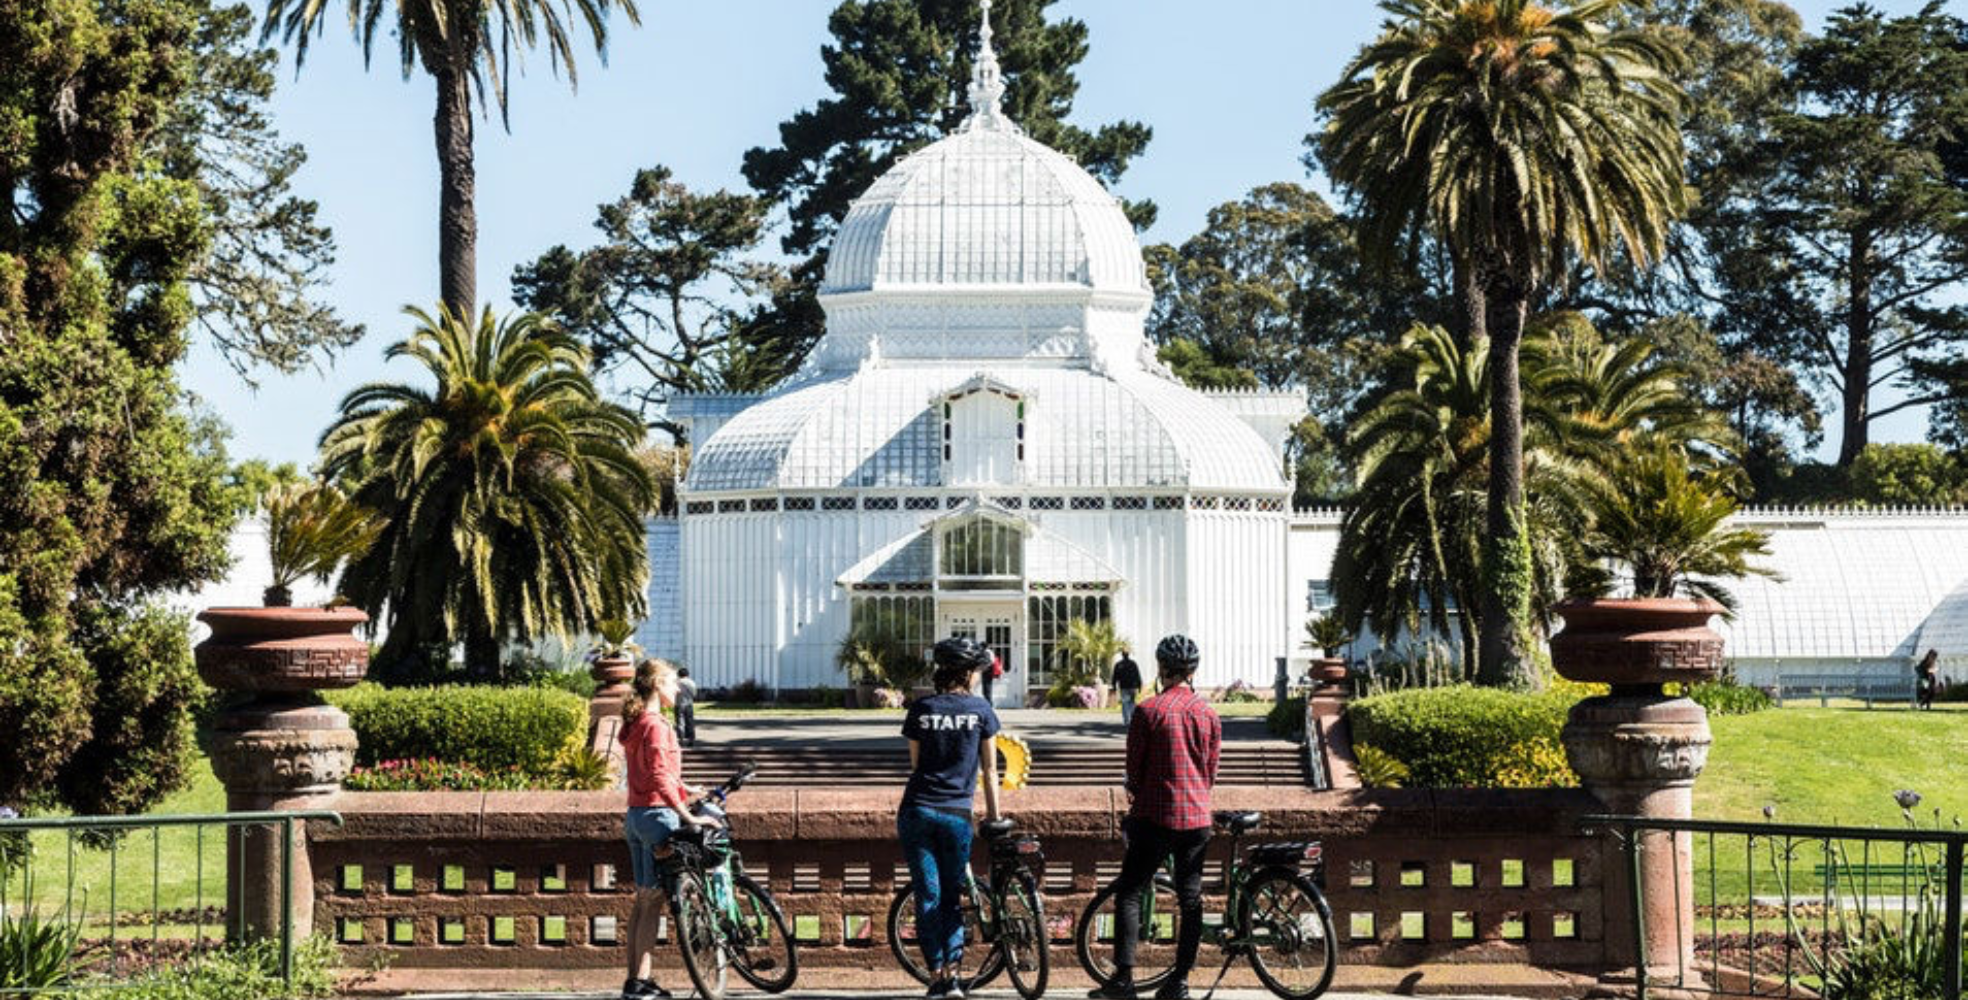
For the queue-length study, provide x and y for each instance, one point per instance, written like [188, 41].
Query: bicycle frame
[1236, 877]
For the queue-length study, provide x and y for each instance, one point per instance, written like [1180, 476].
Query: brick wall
[540, 879]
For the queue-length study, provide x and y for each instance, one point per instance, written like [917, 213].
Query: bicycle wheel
[1288, 925]
[1154, 947]
[981, 960]
[695, 924]
[1022, 936]
[762, 947]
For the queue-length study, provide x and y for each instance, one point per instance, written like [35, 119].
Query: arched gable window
[983, 434]
[981, 553]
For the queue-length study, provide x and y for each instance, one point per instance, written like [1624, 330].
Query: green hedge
[1466, 737]
[490, 727]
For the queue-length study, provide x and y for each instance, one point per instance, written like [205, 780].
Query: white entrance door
[996, 626]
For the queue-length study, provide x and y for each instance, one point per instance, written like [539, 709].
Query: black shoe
[644, 989]
[1119, 989]
[939, 989]
[1174, 989]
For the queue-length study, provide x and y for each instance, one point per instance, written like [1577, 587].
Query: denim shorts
[647, 828]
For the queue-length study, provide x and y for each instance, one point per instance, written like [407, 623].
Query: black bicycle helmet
[962, 651]
[1178, 650]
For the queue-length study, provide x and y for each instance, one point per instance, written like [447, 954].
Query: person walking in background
[686, 707]
[1927, 679]
[1174, 742]
[1127, 680]
[949, 736]
[659, 806]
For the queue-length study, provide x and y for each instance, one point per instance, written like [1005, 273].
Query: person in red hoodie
[659, 805]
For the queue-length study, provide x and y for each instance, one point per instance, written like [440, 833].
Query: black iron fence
[1791, 911]
[87, 901]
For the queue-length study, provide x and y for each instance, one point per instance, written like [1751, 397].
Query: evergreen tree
[1870, 230]
[257, 289]
[899, 70]
[665, 295]
[111, 492]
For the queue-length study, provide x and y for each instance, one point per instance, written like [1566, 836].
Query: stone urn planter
[280, 748]
[1637, 643]
[1638, 750]
[612, 675]
[1327, 672]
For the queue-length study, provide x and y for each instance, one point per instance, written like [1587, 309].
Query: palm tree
[1086, 650]
[466, 46]
[1665, 522]
[1522, 136]
[1410, 550]
[312, 528]
[510, 494]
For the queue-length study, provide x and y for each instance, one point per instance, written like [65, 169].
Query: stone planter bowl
[1638, 641]
[1328, 671]
[282, 650]
[612, 671]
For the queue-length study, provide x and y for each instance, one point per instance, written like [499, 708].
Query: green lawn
[182, 883]
[1833, 766]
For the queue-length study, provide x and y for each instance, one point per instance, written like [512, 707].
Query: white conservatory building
[982, 443]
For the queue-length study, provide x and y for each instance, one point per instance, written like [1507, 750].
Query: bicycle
[725, 919]
[1004, 918]
[1272, 915]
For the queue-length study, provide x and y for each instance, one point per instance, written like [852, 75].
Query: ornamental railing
[114, 895]
[1788, 911]
[539, 880]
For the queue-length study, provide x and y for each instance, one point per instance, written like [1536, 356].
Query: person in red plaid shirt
[1173, 743]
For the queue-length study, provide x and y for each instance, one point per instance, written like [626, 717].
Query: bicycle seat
[1239, 822]
[996, 828]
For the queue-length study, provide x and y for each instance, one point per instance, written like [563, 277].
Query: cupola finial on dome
[987, 83]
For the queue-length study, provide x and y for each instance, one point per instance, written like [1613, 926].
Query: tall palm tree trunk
[1506, 569]
[457, 222]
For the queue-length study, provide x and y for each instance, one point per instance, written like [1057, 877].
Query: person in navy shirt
[949, 736]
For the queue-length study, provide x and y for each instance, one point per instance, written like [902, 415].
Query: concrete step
[780, 766]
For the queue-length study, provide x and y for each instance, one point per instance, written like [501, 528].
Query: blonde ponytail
[650, 675]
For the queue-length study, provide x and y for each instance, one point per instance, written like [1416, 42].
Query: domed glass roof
[985, 206]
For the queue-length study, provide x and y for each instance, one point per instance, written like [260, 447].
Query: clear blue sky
[1227, 85]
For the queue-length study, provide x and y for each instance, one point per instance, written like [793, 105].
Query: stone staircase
[1242, 765]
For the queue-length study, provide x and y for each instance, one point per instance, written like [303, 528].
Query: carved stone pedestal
[1640, 755]
[279, 750]
[1639, 751]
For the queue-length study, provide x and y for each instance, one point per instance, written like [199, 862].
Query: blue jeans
[937, 845]
[647, 828]
[1127, 705]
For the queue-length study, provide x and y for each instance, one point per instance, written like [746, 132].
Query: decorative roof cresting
[987, 84]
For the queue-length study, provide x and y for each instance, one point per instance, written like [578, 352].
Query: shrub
[1724, 696]
[140, 745]
[1286, 719]
[1237, 692]
[1377, 767]
[238, 972]
[1536, 764]
[745, 692]
[1461, 737]
[491, 728]
[427, 775]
